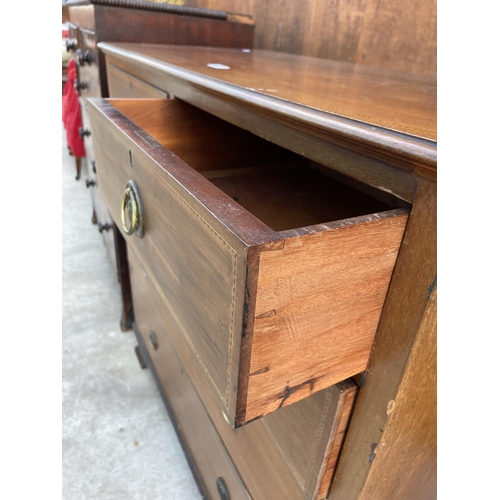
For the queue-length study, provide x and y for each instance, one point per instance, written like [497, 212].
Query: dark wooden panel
[92, 86]
[90, 68]
[399, 35]
[120, 24]
[198, 265]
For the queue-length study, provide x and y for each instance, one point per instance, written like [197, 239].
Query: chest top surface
[403, 103]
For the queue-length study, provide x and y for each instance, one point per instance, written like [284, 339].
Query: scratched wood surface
[196, 243]
[400, 35]
[289, 454]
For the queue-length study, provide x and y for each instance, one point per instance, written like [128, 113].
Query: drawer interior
[282, 189]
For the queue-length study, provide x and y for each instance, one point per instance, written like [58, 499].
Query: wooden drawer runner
[275, 273]
[290, 454]
[124, 85]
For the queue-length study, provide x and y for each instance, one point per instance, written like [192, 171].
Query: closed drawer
[87, 57]
[290, 454]
[88, 86]
[197, 434]
[74, 38]
[101, 216]
[275, 273]
[124, 85]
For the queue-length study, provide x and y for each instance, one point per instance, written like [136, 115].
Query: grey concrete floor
[117, 439]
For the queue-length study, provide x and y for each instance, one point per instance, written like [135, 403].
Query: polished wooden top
[401, 102]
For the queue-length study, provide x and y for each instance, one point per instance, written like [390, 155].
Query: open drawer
[274, 272]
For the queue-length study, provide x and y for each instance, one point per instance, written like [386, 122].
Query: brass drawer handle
[131, 209]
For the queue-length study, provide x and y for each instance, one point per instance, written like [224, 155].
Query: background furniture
[368, 129]
[93, 21]
[398, 35]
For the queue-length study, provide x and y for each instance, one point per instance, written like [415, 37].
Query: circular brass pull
[131, 209]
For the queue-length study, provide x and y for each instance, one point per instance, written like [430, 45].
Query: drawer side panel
[342, 275]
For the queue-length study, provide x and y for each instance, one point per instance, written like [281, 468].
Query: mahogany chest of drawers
[279, 215]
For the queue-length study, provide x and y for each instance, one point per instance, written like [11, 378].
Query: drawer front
[88, 137]
[199, 267]
[88, 67]
[289, 454]
[272, 316]
[198, 436]
[74, 38]
[125, 85]
[101, 216]
[82, 16]
[89, 87]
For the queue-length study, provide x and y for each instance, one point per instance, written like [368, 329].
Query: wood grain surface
[407, 300]
[399, 35]
[392, 100]
[198, 266]
[319, 297]
[290, 454]
[406, 457]
[82, 16]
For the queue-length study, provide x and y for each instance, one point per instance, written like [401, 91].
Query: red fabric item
[71, 117]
